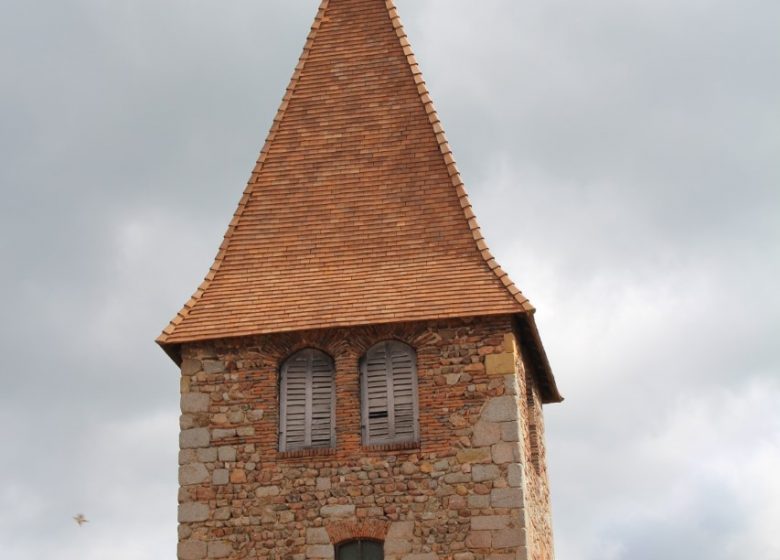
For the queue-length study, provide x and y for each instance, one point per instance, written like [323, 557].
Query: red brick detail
[393, 446]
[343, 531]
[317, 452]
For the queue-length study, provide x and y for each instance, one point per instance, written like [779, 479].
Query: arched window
[361, 549]
[307, 401]
[389, 394]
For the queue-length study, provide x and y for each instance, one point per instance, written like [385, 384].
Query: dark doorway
[361, 549]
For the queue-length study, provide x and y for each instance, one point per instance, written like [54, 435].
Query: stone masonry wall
[461, 492]
[536, 488]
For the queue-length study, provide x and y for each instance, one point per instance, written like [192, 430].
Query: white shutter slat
[375, 399]
[404, 392]
[294, 390]
[389, 388]
[307, 401]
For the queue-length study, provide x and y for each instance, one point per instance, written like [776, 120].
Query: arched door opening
[360, 549]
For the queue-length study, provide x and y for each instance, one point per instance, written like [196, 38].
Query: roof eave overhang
[532, 343]
[173, 351]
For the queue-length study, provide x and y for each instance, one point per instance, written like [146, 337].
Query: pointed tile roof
[355, 212]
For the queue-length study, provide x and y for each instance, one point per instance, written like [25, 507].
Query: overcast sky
[623, 160]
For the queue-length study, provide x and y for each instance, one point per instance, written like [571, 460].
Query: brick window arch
[307, 395]
[389, 409]
[360, 549]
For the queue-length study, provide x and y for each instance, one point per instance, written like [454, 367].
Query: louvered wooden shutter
[308, 397]
[389, 391]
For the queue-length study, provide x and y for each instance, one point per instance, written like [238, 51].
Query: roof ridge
[449, 159]
[248, 191]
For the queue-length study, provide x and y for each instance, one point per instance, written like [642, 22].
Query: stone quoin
[359, 377]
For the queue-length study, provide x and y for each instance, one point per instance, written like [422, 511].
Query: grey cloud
[622, 160]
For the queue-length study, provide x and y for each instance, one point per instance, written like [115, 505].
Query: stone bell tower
[360, 379]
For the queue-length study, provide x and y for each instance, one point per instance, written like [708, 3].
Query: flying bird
[80, 519]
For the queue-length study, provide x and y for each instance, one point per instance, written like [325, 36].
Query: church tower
[359, 377]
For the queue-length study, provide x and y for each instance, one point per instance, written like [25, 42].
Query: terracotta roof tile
[355, 212]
